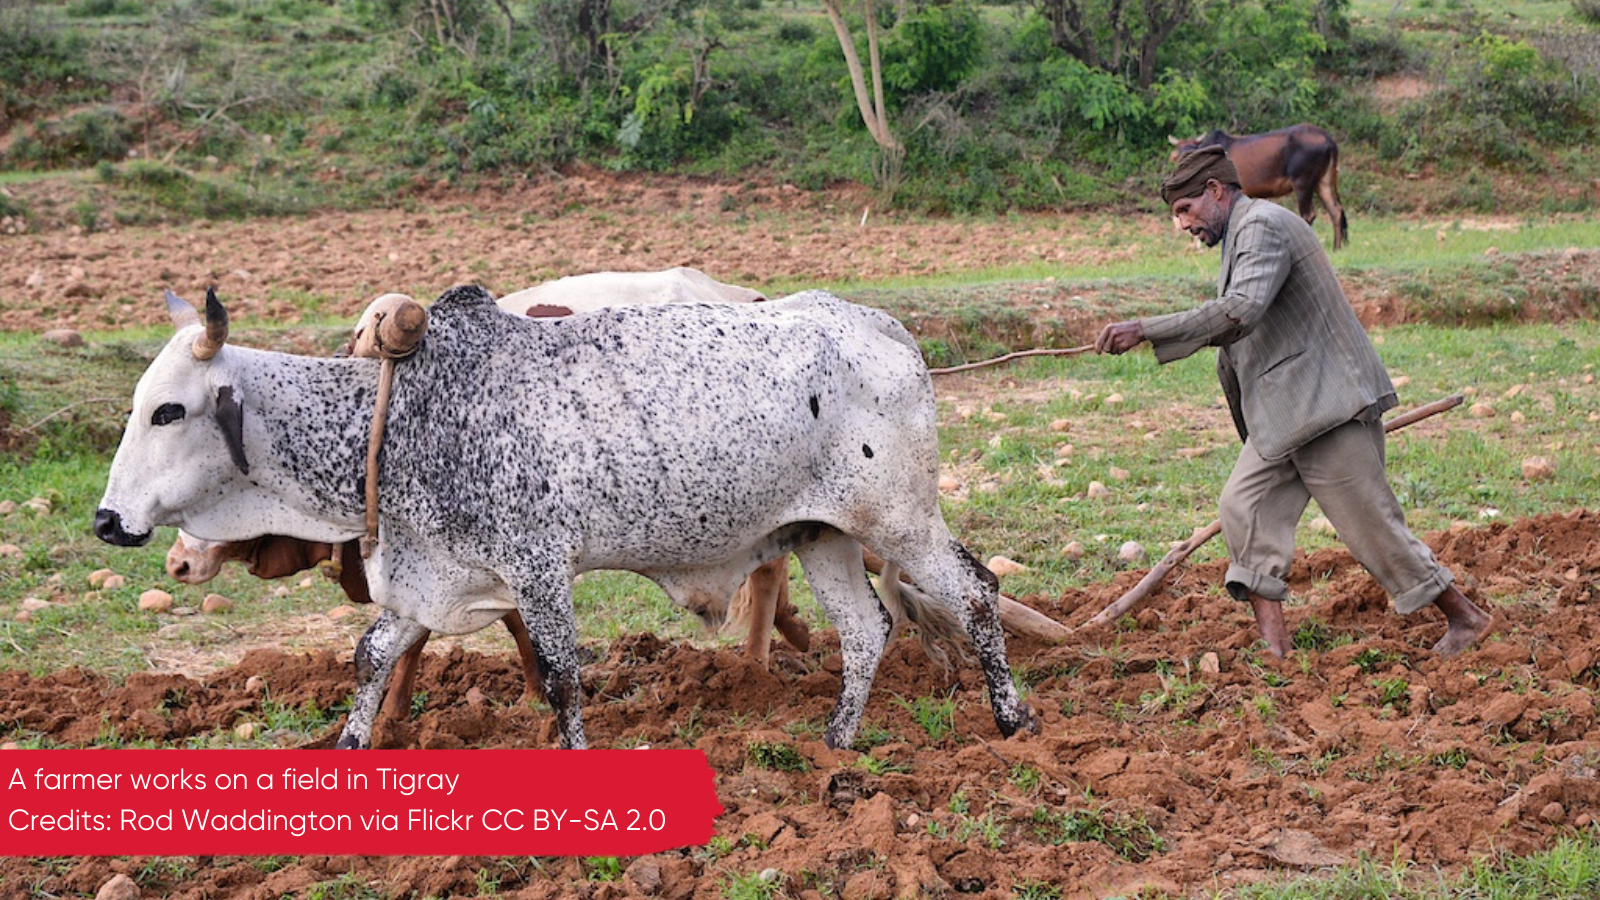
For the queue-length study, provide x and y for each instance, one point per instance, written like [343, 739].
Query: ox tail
[937, 627]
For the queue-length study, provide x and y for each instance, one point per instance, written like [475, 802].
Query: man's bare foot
[1269, 618]
[1467, 624]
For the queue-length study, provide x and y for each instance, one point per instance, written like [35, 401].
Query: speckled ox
[687, 443]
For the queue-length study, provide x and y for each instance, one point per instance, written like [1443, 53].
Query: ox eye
[167, 413]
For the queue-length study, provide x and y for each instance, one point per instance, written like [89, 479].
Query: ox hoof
[1024, 720]
[349, 742]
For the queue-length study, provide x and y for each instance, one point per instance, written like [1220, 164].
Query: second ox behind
[1302, 160]
[687, 443]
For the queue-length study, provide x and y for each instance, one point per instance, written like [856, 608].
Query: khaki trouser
[1344, 470]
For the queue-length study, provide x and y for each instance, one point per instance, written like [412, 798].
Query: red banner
[372, 802]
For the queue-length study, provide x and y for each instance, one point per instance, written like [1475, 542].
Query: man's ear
[230, 417]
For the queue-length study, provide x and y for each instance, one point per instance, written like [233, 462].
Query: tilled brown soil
[587, 221]
[761, 235]
[1204, 765]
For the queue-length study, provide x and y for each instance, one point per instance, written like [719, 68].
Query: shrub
[11, 206]
[99, 9]
[81, 139]
[933, 49]
[180, 192]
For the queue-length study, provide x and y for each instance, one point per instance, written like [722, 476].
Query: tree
[1117, 36]
[874, 111]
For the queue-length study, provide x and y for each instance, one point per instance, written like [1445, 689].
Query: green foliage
[11, 206]
[1569, 870]
[80, 139]
[1035, 890]
[993, 114]
[1587, 10]
[1394, 693]
[99, 9]
[936, 715]
[35, 54]
[1129, 836]
[1175, 694]
[191, 195]
[1257, 60]
[1314, 634]
[873, 765]
[1499, 100]
[603, 868]
[307, 718]
[1370, 659]
[1026, 778]
[933, 49]
[776, 756]
[751, 886]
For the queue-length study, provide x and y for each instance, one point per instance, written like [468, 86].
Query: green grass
[1522, 14]
[1125, 252]
[778, 757]
[1568, 871]
[1128, 836]
[1024, 496]
[936, 715]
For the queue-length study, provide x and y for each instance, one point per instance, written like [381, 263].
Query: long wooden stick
[1153, 579]
[1069, 351]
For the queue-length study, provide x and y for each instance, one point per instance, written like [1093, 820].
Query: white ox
[761, 603]
[687, 443]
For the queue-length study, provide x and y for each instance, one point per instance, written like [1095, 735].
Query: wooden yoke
[391, 328]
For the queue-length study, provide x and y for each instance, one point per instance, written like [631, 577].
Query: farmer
[1306, 390]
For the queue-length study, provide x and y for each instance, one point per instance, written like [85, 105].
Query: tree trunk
[871, 106]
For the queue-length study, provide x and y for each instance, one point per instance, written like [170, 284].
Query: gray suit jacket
[1295, 362]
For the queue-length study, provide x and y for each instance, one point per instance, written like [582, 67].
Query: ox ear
[230, 417]
[181, 312]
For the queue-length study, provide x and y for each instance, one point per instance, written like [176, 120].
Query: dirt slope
[1220, 767]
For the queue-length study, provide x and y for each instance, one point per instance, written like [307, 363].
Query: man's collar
[1240, 203]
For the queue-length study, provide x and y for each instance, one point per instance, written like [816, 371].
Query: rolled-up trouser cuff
[1242, 582]
[1425, 593]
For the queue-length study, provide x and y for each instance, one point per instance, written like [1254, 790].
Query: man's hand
[1119, 337]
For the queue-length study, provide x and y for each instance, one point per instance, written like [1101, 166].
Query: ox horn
[216, 333]
[181, 312]
[1173, 140]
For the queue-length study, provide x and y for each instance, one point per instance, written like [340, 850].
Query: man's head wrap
[1194, 170]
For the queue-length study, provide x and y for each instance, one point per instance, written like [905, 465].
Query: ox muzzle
[108, 528]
